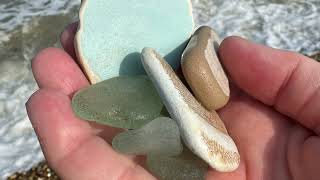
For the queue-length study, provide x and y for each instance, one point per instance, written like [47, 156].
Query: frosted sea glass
[181, 167]
[123, 102]
[159, 137]
[113, 32]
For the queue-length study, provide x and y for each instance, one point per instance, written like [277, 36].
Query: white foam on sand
[19, 147]
[287, 24]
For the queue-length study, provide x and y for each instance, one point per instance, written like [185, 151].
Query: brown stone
[202, 69]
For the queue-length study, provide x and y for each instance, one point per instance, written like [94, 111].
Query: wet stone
[202, 69]
[159, 137]
[123, 102]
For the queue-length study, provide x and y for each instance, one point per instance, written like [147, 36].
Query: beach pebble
[123, 102]
[202, 131]
[202, 69]
[159, 137]
[112, 34]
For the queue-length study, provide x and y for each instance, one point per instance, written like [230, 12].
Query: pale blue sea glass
[113, 32]
[123, 102]
[159, 137]
[186, 166]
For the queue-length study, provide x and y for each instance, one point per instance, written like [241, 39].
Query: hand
[273, 116]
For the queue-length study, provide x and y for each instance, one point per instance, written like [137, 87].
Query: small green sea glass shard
[123, 102]
[182, 167]
[159, 137]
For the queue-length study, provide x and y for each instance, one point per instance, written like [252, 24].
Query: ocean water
[28, 26]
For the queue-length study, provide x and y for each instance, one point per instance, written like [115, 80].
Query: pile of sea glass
[141, 93]
[132, 103]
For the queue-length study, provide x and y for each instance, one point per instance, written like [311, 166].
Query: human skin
[273, 116]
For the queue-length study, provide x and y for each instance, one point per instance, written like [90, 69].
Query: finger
[70, 145]
[310, 158]
[53, 68]
[288, 81]
[67, 39]
[260, 134]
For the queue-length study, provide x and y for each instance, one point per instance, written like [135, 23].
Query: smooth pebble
[202, 69]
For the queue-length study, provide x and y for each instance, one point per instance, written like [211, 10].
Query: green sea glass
[123, 102]
[184, 166]
[159, 137]
[112, 34]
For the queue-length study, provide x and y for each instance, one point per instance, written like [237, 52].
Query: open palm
[273, 116]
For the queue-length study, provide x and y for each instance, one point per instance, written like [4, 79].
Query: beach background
[27, 26]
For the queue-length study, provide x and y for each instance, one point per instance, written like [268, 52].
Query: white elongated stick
[202, 131]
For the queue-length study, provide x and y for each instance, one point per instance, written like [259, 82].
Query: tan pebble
[203, 71]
